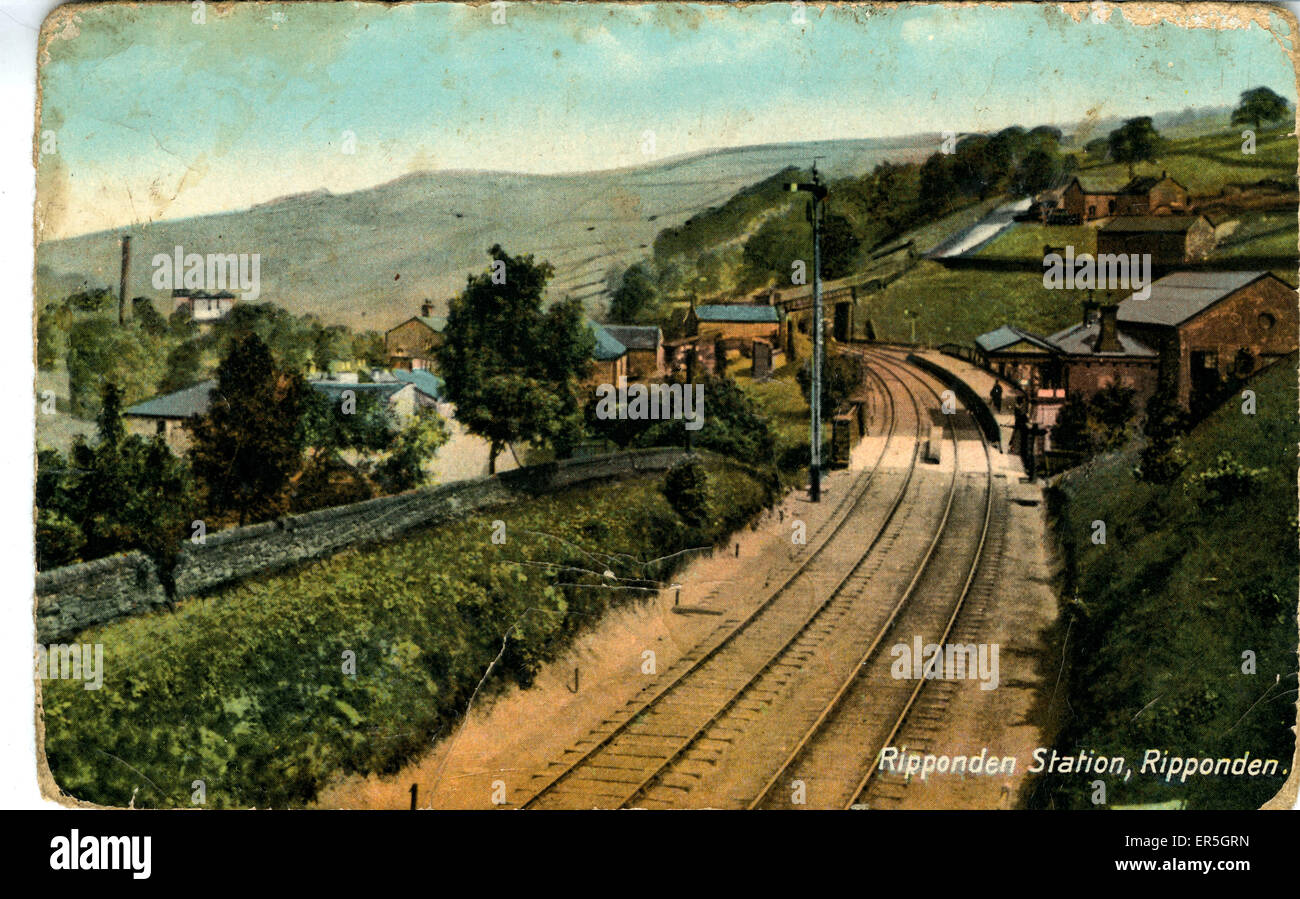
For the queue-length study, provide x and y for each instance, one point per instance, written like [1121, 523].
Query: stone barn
[1169, 239]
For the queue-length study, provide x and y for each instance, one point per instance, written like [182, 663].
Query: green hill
[1187, 581]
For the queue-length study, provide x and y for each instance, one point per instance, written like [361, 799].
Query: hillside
[1165, 609]
[366, 258]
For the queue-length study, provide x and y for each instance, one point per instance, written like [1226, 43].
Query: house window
[1092, 212]
[160, 428]
[1112, 207]
[1267, 321]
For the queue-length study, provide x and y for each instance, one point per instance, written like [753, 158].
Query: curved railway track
[703, 684]
[673, 735]
[870, 707]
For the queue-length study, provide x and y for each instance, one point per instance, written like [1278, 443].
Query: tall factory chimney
[126, 274]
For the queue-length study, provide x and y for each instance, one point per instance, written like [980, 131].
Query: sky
[154, 115]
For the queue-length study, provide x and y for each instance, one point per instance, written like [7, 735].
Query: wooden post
[415, 795]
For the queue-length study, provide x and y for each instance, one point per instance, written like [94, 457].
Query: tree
[511, 366]
[1258, 106]
[1038, 171]
[183, 363]
[415, 445]
[686, 487]
[250, 442]
[841, 375]
[634, 295]
[1133, 142]
[146, 314]
[122, 493]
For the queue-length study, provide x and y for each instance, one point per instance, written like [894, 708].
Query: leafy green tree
[362, 422]
[1038, 171]
[183, 364]
[686, 487]
[99, 350]
[123, 492]
[250, 442]
[938, 184]
[1260, 106]
[1133, 142]
[414, 446]
[511, 366]
[95, 299]
[732, 426]
[841, 375]
[636, 294]
[146, 315]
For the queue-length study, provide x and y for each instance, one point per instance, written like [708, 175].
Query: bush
[686, 487]
[1226, 482]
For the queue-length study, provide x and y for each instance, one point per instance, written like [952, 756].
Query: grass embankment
[248, 690]
[1206, 164]
[956, 305]
[1167, 606]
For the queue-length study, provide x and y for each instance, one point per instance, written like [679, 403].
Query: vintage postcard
[666, 406]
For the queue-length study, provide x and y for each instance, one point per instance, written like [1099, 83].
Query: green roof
[425, 381]
[737, 312]
[437, 322]
[607, 346]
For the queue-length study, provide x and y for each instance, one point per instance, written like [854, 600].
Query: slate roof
[1080, 340]
[425, 381]
[188, 402]
[1176, 298]
[735, 312]
[1008, 335]
[1145, 224]
[607, 346]
[636, 337]
[437, 322]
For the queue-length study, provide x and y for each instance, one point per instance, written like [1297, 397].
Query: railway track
[836, 761]
[623, 757]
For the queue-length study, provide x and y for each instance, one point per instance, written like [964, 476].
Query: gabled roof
[1081, 340]
[1094, 184]
[607, 346]
[425, 381]
[1008, 336]
[433, 322]
[1176, 298]
[187, 402]
[1148, 224]
[637, 337]
[736, 312]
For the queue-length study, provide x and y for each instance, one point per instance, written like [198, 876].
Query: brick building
[1209, 326]
[1169, 239]
[411, 345]
[609, 358]
[1091, 198]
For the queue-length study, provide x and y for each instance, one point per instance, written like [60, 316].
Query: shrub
[686, 487]
[1226, 481]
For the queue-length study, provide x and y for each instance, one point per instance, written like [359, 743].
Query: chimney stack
[426, 308]
[1108, 339]
[126, 275]
[1089, 312]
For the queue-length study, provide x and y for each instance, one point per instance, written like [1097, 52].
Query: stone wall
[74, 597]
[77, 596]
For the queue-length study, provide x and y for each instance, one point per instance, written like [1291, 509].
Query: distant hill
[367, 258]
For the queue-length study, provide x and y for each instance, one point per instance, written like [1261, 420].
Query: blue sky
[158, 117]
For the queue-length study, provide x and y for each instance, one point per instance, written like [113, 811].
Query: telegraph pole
[818, 191]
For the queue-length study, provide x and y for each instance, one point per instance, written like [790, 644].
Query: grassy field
[1271, 233]
[956, 305]
[1025, 240]
[1205, 164]
[1164, 610]
[248, 690]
